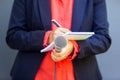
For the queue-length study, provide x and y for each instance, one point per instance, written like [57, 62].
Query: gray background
[109, 62]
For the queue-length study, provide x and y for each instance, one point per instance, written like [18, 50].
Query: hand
[58, 56]
[57, 32]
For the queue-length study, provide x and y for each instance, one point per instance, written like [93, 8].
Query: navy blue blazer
[29, 21]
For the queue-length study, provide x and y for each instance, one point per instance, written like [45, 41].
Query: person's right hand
[57, 32]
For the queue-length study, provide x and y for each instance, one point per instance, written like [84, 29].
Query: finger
[53, 57]
[58, 33]
[56, 59]
[59, 54]
[63, 30]
[56, 53]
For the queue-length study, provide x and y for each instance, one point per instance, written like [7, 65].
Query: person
[30, 30]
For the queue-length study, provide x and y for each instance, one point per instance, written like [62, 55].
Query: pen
[56, 23]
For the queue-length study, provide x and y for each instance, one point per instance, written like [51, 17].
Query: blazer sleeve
[101, 41]
[18, 35]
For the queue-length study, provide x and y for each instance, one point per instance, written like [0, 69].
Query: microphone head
[60, 42]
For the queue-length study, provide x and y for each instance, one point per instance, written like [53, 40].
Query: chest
[39, 15]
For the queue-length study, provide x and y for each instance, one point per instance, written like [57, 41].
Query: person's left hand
[63, 54]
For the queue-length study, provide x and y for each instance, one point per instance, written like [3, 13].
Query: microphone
[60, 43]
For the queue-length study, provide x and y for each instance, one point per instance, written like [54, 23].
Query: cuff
[75, 50]
[45, 42]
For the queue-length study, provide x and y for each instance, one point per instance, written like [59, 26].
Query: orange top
[61, 12]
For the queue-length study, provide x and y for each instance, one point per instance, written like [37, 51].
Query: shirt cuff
[45, 42]
[75, 50]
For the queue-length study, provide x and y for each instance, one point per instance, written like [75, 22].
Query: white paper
[70, 36]
[78, 35]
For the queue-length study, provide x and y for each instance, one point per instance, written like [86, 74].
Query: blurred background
[109, 62]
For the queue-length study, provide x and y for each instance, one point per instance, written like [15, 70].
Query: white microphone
[60, 43]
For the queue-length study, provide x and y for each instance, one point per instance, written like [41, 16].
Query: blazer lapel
[78, 13]
[45, 13]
